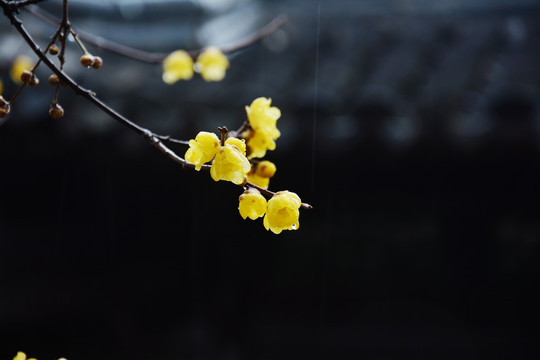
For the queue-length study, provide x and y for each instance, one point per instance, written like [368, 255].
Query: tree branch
[19, 4]
[157, 58]
[154, 139]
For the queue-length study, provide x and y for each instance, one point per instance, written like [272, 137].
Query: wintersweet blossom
[230, 163]
[178, 65]
[20, 64]
[21, 356]
[202, 149]
[252, 204]
[283, 212]
[212, 64]
[261, 173]
[262, 118]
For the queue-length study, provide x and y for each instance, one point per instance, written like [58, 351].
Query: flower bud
[53, 79]
[33, 80]
[97, 62]
[4, 110]
[56, 111]
[261, 173]
[4, 107]
[87, 60]
[26, 76]
[53, 50]
[266, 169]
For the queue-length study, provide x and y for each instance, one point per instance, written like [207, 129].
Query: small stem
[245, 126]
[20, 4]
[223, 130]
[21, 87]
[172, 140]
[53, 39]
[79, 42]
[271, 193]
[56, 91]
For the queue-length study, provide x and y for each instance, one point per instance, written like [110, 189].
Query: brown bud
[56, 111]
[97, 62]
[53, 50]
[26, 76]
[33, 81]
[4, 109]
[87, 60]
[53, 79]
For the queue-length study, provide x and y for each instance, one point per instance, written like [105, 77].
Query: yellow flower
[252, 204]
[211, 63]
[262, 118]
[283, 212]
[178, 65]
[261, 173]
[202, 149]
[21, 356]
[20, 64]
[230, 163]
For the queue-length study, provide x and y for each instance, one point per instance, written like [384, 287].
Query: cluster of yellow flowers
[280, 213]
[233, 161]
[179, 65]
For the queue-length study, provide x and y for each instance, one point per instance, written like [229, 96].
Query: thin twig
[271, 193]
[157, 58]
[79, 90]
[19, 4]
[260, 34]
[172, 140]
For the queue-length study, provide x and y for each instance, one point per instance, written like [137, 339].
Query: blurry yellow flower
[211, 63]
[21, 63]
[178, 65]
[21, 356]
[283, 212]
[230, 163]
[202, 149]
[261, 173]
[252, 204]
[262, 118]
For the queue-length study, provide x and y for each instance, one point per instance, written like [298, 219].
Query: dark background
[412, 127]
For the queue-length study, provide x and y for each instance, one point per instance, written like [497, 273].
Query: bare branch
[79, 90]
[19, 4]
[157, 58]
[155, 139]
